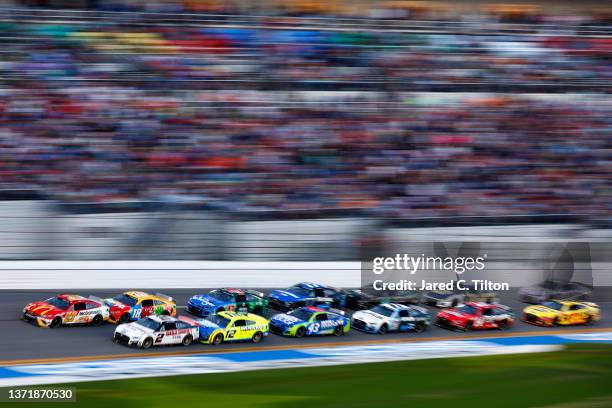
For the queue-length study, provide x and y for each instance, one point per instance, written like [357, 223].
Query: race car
[133, 305]
[550, 289]
[391, 317]
[310, 321]
[157, 330]
[231, 300]
[476, 316]
[365, 298]
[296, 296]
[232, 327]
[68, 310]
[561, 312]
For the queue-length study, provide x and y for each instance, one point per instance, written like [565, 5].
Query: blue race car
[310, 321]
[302, 294]
[229, 300]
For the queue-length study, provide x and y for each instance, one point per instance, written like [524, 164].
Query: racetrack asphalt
[23, 342]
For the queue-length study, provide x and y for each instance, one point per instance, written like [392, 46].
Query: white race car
[157, 331]
[388, 317]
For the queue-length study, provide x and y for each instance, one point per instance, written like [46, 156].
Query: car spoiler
[420, 309]
[255, 293]
[188, 320]
[161, 295]
[97, 299]
[337, 311]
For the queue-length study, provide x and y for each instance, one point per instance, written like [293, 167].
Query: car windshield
[58, 303]
[218, 320]
[553, 305]
[296, 290]
[149, 323]
[467, 309]
[125, 299]
[301, 314]
[221, 295]
[382, 310]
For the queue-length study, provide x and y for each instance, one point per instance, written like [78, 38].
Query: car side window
[158, 302]
[170, 326]
[240, 323]
[147, 303]
[576, 307]
[403, 313]
[329, 292]
[241, 298]
[488, 312]
[319, 292]
[250, 323]
[79, 306]
[321, 317]
[92, 305]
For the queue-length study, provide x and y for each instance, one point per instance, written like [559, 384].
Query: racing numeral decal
[159, 338]
[314, 328]
[230, 334]
[136, 313]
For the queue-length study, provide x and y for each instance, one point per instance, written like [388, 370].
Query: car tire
[455, 303]
[187, 340]
[555, 322]
[147, 343]
[115, 338]
[300, 332]
[97, 320]
[503, 325]
[257, 337]
[383, 329]
[419, 327]
[56, 322]
[218, 339]
[468, 326]
[124, 318]
[338, 331]
[588, 320]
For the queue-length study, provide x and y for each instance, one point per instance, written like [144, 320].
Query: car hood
[133, 330]
[368, 316]
[206, 326]
[206, 301]
[454, 314]
[285, 320]
[540, 310]
[43, 309]
[286, 296]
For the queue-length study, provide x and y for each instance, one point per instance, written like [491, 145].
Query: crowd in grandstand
[269, 118]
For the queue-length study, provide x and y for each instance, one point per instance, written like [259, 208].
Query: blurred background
[301, 130]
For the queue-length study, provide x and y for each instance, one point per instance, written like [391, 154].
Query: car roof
[138, 294]
[309, 285]
[481, 305]
[162, 318]
[235, 315]
[71, 297]
[233, 291]
[394, 306]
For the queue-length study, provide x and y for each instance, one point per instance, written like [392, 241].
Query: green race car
[310, 321]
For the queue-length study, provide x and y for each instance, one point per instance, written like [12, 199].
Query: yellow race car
[561, 312]
[232, 327]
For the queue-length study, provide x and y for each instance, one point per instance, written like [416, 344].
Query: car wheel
[116, 338]
[97, 320]
[300, 332]
[218, 339]
[257, 337]
[56, 322]
[419, 327]
[383, 329]
[555, 322]
[502, 325]
[124, 318]
[455, 303]
[468, 326]
[588, 320]
[147, 343]
[187, 340]
[338, 330]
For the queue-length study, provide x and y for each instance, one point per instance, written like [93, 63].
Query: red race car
[66, 309]
[475, 316]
